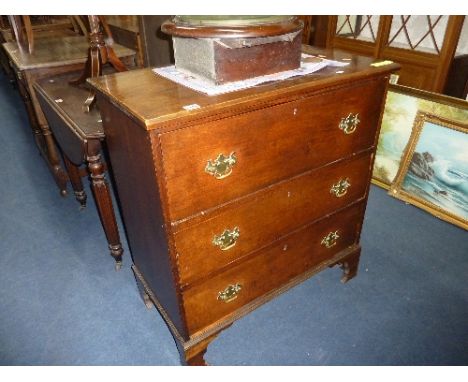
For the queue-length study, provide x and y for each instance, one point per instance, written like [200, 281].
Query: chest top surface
[154, 100]
[55, 51]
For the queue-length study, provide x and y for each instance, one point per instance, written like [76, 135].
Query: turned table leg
[44, 139]
[103, 200]
[54, 160]
[36, 130]
[75, 180]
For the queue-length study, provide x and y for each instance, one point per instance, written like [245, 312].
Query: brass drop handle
[349, 124]
[227, 239]
[340, 188]
[221, 167]
[230, 293]
[331, 239]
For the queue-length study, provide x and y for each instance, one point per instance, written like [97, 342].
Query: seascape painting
[401, 107]
[434, 175]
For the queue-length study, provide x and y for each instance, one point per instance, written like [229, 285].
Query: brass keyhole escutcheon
[227, 239]
[230, 293]
[340, 188]
[349, 124]
[222, 166]
[331, 239]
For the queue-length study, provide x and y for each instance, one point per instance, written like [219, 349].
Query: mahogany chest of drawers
[236, 198]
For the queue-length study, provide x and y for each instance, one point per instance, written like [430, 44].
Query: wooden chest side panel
[270, 144]
[132, 164]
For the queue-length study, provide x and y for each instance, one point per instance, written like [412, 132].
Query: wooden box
[219, 55]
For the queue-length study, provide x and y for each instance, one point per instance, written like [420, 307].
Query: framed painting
[400, 110]
[434, 170]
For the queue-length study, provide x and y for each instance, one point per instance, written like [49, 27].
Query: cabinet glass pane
[358, 27]
[420, 33]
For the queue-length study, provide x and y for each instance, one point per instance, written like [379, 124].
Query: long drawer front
[237, 155]
[274, 266]
[263, 217]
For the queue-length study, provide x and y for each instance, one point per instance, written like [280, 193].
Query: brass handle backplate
[221, 167]
[340, 188]
[227, 239]
[349, 124]
[331, 239]
[230, 293]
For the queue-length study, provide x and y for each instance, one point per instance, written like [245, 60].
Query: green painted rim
[229, 21]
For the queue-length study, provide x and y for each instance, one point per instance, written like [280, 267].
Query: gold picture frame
[401, 107]
[434, 170]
